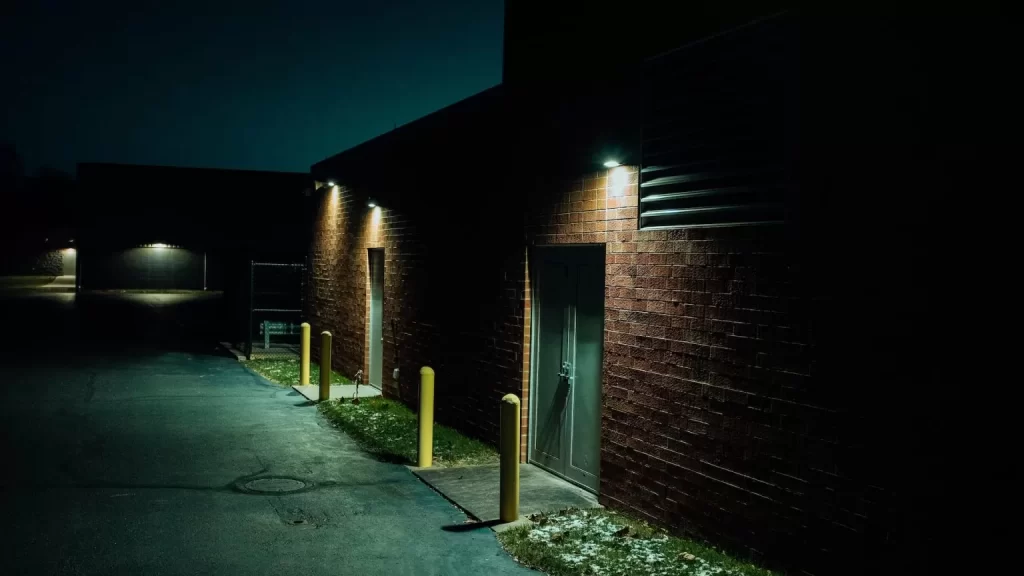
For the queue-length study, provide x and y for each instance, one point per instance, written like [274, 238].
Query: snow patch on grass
[601, 542]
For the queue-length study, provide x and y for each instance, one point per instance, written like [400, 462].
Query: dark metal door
[568, 331]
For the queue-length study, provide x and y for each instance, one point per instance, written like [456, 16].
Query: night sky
[233, 84]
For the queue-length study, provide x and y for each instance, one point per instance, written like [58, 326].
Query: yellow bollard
[304, 354]
[325, 365]
[425, 453]
[509, 444]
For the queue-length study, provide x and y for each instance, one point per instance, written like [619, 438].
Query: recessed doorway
[376, 339]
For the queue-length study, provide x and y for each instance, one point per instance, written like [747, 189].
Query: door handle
[566, 372]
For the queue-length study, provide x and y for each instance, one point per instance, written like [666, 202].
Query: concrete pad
[60, 284]
[312, 393]
[475, 490]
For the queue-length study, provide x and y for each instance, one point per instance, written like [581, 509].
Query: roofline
[79, 165]
[411, 125]
[716, 35]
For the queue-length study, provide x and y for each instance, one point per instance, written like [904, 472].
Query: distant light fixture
[72, 241]
[159, 245]
[371, 204]
[611, 163]
[331, 183]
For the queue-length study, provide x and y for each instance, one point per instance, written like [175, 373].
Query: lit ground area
[132, 447]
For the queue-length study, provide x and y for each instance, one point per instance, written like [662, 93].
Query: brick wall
[444, 307]
[344, 229]
[725, 414]
[758, 381]
[732, 398]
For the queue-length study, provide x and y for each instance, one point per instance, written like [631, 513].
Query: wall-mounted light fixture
[332, 183]
[611, 163]
[371, 203]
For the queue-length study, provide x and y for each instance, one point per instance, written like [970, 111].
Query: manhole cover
[273, 485]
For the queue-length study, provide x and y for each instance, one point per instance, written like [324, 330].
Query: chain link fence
[277, 294]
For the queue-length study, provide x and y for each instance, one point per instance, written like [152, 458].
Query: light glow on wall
[333, 207]
[373, 227]
[618, 179]
[375, 217]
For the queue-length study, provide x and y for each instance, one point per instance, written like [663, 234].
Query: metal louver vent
[714, 131]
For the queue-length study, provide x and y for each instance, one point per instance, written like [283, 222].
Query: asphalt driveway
[128, 460]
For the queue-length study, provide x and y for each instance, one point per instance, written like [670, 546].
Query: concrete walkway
[475, 490]
[140, 463]
[312, 393]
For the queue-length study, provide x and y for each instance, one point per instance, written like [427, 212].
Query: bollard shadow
[467, 526]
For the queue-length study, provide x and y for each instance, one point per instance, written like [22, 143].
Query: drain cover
[273, 485]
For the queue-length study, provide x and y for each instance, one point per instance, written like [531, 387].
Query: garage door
[147, 268]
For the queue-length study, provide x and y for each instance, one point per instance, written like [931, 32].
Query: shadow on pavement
[467, 526]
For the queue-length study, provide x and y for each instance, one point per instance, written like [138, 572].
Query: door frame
[370, 253]
[536, 294]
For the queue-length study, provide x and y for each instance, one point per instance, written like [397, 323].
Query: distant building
[129, 214]
[182, 228]
[37, 222]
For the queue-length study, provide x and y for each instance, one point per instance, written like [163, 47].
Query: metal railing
[277, 293]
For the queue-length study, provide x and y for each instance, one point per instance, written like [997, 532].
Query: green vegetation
[388, 429]
[285, 371]
[603, 542]
[384, 427]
